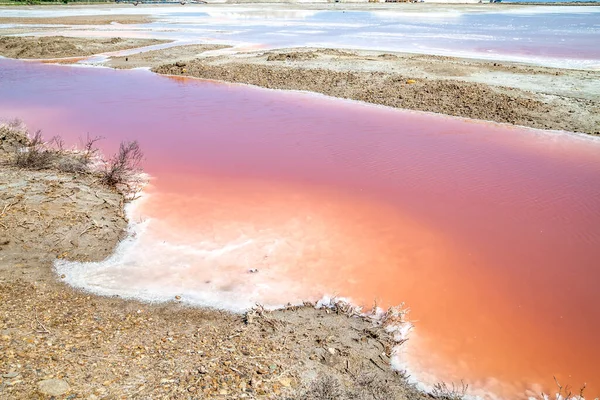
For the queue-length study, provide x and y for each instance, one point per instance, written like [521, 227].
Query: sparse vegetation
[363, 386]
[36, 154]
[89, 147]
[324, 387]
[121, 171]
[32, 152]
[369, 386]
[443, 391]
[566, 393]
[120, 167]
[77, 161]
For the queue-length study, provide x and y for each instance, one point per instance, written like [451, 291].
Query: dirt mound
[13, 136]
[295, 56]
[464, 99]
[60, 46]
[303, 55]
[336, 52]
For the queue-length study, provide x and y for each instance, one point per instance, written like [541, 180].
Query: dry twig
[7, 207]
[40, 325]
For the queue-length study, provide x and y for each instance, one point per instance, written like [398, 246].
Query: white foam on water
[404, 360]
[210, 272]
[407, 355]
[154, 264]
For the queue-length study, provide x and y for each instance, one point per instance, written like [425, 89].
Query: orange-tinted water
[489, 233]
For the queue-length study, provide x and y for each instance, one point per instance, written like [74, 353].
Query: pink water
[491, 234]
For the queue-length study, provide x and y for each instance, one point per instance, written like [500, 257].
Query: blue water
[551, 1]
[558, 36]
[536, 33]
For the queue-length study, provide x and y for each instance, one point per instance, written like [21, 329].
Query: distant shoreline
[458, 3]
[563, 3]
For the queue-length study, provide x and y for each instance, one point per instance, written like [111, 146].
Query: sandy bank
[518, 94]
[156, 58]
[79, 20]
[54, 339]
[60, 46]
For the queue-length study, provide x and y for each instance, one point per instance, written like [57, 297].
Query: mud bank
[537, 97]
[60, 46]
[518, 94]
[56, 341]
[79, 20]
[156, 58]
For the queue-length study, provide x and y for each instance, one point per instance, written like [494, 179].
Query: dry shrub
[122, 165]
[14, 124]
[123, 172]
[324, 387]
[89, 148]
[36, 154]
[444, 392]
[370, 386]
[364, 386]
[77, 161]
[72, 165]
[565, 393]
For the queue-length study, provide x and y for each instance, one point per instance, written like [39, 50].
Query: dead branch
[40, 325]
[90, 227]
[89, 147]
[8, 206]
